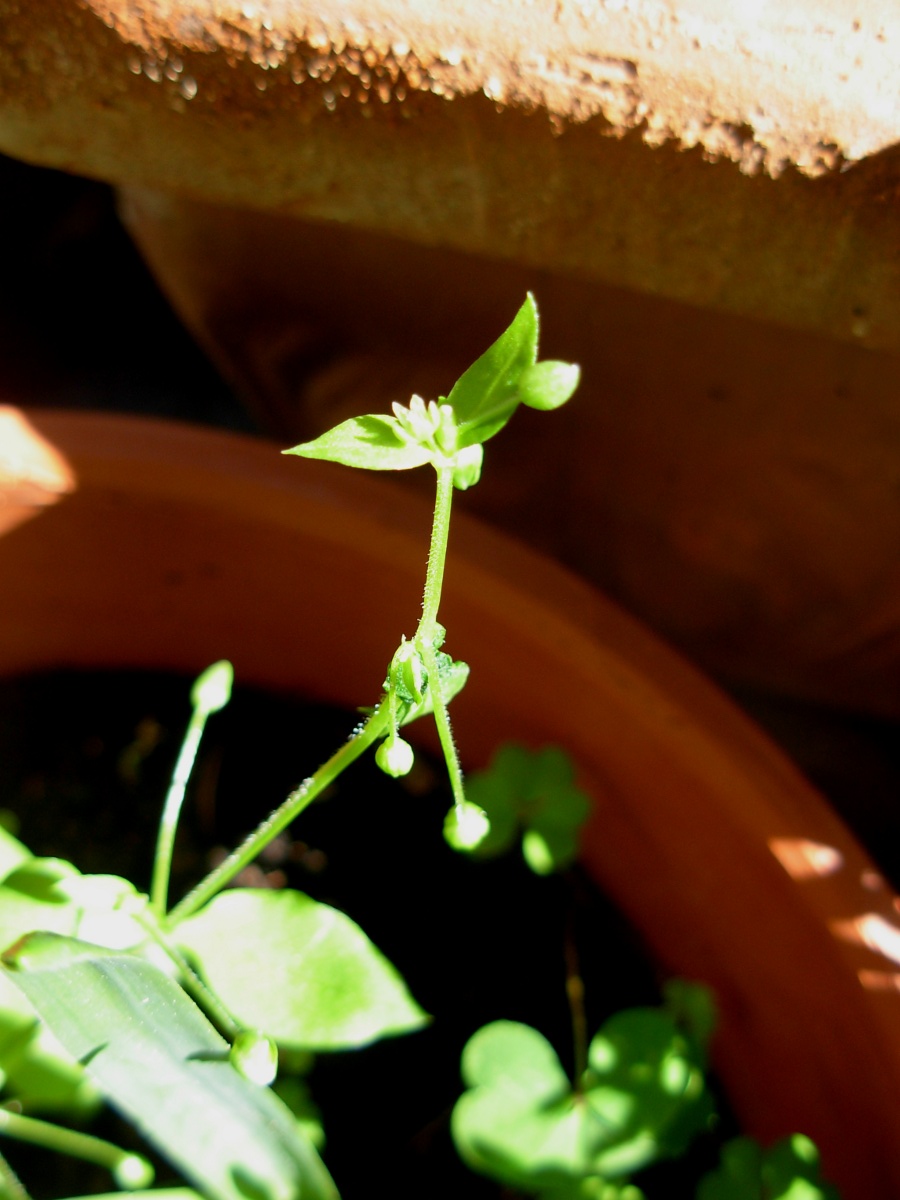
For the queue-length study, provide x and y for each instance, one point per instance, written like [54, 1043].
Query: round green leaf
[549, 384]
[299, 970]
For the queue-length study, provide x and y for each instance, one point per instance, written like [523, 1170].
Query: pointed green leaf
[162, 1064]
[375, 442]
[300, 971]
[486, 395]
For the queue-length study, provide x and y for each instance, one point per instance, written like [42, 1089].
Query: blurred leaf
[531, 791]
[212, 689]
[37, 1072]
[172, 1193]
[789, 1170]
[300, 971]
[162, 1064]
[645, 1081]
[51, 896]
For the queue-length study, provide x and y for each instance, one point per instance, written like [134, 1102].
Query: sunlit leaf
[521, 1122]
[51, 896]
[298, 970]
[376, 442]
[162, 1064]
[486, 395]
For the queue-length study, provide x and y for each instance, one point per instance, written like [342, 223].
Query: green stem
[442, 723]
[575, 997]
[62, 1140]
[11, 1186]
[437, 551]
[428, 627]
[375, 727]
[168, 825]
[191, 981]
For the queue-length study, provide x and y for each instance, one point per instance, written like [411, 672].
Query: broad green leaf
[486, 395]
[375, 442]
[12, 852]
[789, 1170]
[51, 896]
[158, 1060]
[298, 970]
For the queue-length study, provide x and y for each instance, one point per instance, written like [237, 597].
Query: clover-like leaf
[789, 1170]
[645, 1082]
[376, 442]
[532, 791]
[519, 1122]
[642, 1098]
[300, 971]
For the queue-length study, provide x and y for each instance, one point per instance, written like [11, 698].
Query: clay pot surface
[178, 546]
[570, 136]
[730, 482]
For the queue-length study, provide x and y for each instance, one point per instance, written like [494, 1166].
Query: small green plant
[110, 994]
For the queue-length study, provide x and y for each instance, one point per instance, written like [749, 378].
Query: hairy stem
[437, 552]
[375, 727]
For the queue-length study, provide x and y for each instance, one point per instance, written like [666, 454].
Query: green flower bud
[255, 1056]
[395, 756]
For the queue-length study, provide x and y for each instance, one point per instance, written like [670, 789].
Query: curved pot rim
[733, 868]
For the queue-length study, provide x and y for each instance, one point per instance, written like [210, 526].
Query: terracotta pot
[178, 546]
[730, 482]
[666, 148]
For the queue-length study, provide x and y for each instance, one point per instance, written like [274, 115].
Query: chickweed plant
[182, 1016]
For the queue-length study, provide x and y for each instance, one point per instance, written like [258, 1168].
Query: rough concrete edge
[765, 96]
